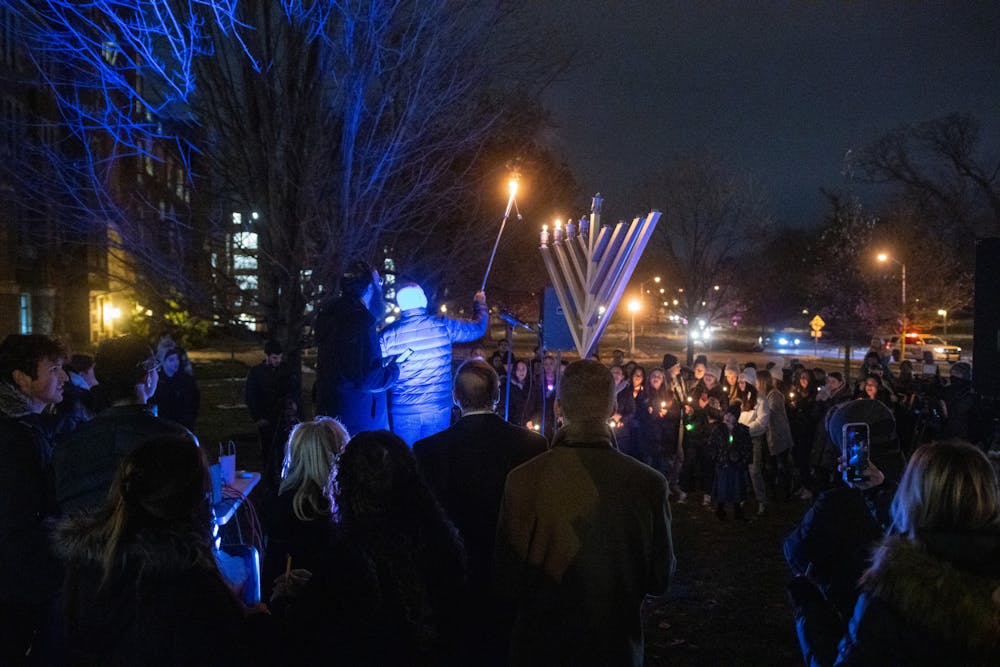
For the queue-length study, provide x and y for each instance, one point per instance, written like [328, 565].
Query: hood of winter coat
[13, 403]
[157, 552]
[947, 584]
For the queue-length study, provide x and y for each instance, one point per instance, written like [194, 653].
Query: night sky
[777, 89]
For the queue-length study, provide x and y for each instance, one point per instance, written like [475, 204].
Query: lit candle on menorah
[590, 265]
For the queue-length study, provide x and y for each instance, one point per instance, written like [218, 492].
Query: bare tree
[710, 219]
[841, 287]
[942, 170]
[349, 128]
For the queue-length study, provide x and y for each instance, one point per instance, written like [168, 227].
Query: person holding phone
[930, 596]
[421, 343]
[837, 533]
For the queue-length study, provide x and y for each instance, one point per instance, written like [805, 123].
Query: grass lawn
[727, 603]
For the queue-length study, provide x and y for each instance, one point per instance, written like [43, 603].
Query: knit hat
[410, 296]
[669, 361]
[714, 371]
[750, 375]
[733, 365]
[883, 441]
[962, 369]
[122, 362]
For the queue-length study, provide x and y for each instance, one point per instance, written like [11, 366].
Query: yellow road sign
[817, 323]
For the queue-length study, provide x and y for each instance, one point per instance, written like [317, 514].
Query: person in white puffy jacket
[421, 399]
[768, 424]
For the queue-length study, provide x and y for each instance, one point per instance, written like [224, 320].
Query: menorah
[589, 265]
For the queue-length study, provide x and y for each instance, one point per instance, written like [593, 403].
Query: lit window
[244, 263]
[245, 240]
[25, 314]
[237, 218]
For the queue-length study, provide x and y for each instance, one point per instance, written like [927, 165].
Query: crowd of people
[526, 528]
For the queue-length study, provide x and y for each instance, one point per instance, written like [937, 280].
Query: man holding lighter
[421, 344]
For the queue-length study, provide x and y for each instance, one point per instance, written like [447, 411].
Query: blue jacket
[425, 377]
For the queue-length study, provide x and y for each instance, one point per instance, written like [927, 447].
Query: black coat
[86, 460]
[834, 541]
[29, 571]
[518, 412]
[929, 601]
[466, 466]
[351, 382]
[177, 398]
[361, 608]
[269, 388]
[165, 605]
[287, 535]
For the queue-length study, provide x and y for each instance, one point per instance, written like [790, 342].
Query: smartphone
[404, 355]
[856, 448]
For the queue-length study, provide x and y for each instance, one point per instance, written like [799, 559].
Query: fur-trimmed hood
[945, 583]
[81, 541]
[13, 403]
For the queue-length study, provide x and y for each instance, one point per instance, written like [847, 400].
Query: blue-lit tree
[347, 126]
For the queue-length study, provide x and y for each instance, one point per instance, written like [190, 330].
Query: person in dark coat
[389, 591]
[300, 521]
[85, 460]
[273, 398]
[930, 595]
[624, 413]
[584, 535]
[31, 379]
[515, 402]
[731, 447]
[965, 419]
[177, 396]
[466, 466]
[835, 537]
[78, 405]
[142, 586]
[803, 415]
[351, 377]
[542, 399]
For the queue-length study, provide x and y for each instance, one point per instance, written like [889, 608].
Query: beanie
[410, 296]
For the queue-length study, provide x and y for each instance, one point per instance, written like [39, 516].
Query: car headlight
[939, 350]
[796, 341]
[783, 341]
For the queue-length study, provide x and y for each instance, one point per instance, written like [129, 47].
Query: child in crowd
[730, 443]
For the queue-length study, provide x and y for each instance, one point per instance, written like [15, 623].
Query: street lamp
[883, 257]
[944, 316]
[642, 286]
[633, 308]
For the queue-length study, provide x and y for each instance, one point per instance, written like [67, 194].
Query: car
[918, 343]
[781, 340]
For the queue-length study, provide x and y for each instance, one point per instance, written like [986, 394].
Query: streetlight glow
[512, 186]
[884, 257]
[633, 308]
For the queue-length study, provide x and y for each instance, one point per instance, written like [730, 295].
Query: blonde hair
[310, 458]
[947, 485]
